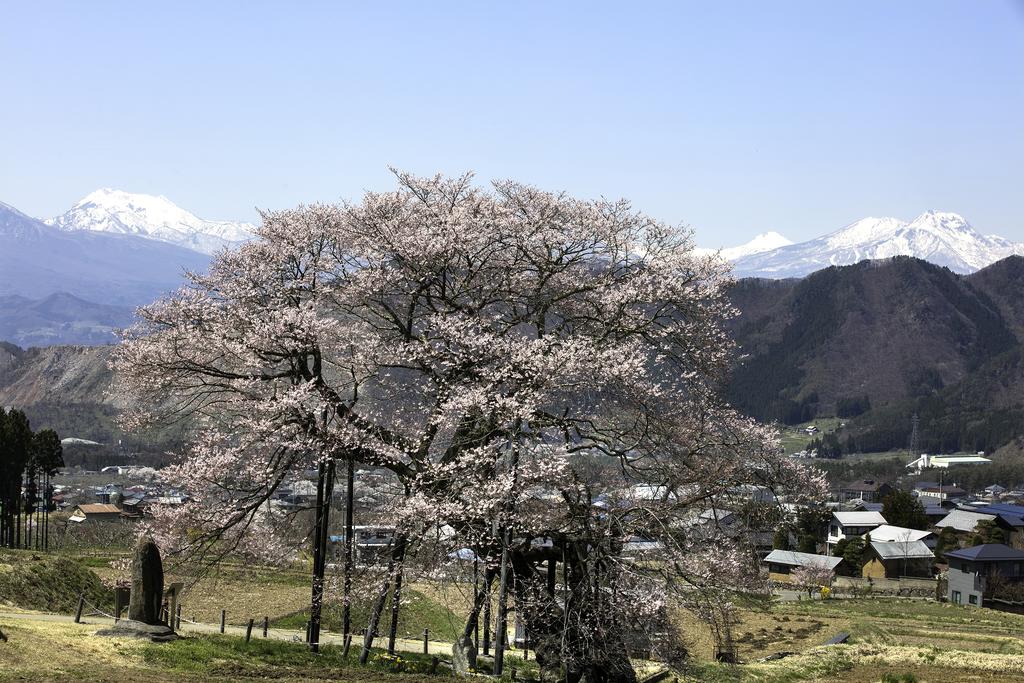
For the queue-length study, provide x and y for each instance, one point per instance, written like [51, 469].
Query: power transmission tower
[914, 438]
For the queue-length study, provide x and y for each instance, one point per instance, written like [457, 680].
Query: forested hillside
[67, 389]
[882, 340]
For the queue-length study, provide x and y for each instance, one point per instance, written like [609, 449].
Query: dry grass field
[890, 639]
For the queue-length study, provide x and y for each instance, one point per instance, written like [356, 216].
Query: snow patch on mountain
[766, 241]
[942, 238]
[156, 218]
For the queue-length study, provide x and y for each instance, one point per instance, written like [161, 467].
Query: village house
[891, 560]
[867, 490]
[781, 563]
[963, 521]
[941, 493]
[1009, 518]
[888, 533]
[850, 524]
[972, 570]
[95, 512]
[371, 544]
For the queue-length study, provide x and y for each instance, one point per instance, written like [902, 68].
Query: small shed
[781, 562]
[95, 512]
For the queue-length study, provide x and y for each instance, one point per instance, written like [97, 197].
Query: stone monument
[146, 597]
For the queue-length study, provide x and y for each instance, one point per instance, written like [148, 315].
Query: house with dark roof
[941, 493]
[867, 490]
[973, 571]
[1009, 518]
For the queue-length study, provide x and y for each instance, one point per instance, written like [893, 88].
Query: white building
[850, 524]
[946, 461]
[888, 533]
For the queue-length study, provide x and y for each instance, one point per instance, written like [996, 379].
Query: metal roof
[796, 559]
[888, 533]
[962, 520]
[859, 518]
[99, 508]
[987, 552]
[912, 550]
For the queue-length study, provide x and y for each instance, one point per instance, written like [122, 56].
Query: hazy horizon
[733, 119]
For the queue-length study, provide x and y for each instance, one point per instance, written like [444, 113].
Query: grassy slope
[29, 656]
[48, 583]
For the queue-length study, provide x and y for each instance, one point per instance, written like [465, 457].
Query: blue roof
[987, 552]
[1017, 510]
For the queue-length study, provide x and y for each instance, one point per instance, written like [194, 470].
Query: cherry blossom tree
[812, 577]
[540, 373]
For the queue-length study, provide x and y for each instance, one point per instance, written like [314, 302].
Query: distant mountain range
[37, 260]
[945, 239]
[113, 251]
[74, 278]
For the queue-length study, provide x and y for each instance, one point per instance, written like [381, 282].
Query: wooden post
[347, 645]
[223, 619]
[434, 661]
[177, 619]
[248, 630]
[426, 641]
[81, 606]
[266, 626]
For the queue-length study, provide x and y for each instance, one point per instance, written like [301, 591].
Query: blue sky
[732, 117]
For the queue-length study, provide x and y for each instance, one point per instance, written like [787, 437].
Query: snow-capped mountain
[942, 238]
[37, 260]
[766, 241]
[151, 217]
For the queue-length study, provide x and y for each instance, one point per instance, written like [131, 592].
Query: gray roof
[962, 520]
[859, 518]
[796, 559]
[911, 550]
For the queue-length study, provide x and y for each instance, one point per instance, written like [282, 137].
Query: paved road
[401, 644]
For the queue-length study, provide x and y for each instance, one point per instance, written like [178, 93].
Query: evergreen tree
[900, 508]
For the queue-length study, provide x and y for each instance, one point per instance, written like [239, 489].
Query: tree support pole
[346, 608]
[325, 491]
